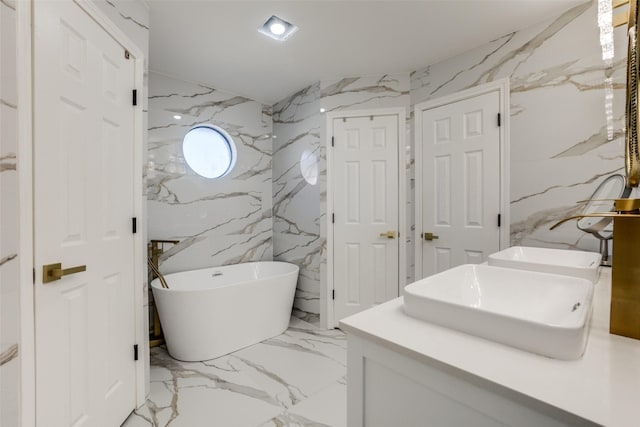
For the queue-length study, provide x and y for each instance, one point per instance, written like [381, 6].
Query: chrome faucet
[625, 275]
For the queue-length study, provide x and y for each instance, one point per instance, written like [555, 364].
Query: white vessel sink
[547, 314]
[557, 261]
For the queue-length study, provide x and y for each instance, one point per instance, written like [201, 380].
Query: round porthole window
[209, 151]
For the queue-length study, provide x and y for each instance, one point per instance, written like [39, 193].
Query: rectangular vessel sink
[557, 261]
[543, 313]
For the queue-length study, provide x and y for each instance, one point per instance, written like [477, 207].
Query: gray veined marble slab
[9, 221]
[357, 93]
[294, 379]
[327, 408]
[296, 202]
[558, 122]
[299, 207]
[222, 221]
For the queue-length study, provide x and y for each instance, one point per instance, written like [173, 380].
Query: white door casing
[460, 180]
[365, 193]
[84, 201]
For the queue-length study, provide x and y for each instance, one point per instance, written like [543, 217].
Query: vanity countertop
[603, 386]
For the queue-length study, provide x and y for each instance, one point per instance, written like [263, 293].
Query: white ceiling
[216, 43]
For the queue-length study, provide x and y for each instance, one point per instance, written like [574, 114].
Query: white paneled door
[365, 229]
[460, 169]
[83, 207]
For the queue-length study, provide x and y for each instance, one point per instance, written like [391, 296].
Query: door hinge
[333, 294]
[34, 276]
[499, 220]
[333, 142]
[134, 97]
[134, 225]
[135, 352]
[499, 120]
[333, 218]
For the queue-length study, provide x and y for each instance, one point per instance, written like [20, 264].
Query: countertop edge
[600, 388]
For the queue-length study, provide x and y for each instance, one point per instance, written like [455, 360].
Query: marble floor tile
[326, 408]
[294, 379]
[311, 318]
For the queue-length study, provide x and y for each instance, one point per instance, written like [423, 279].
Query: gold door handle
[429, 236]
[53, 272]
[389, 234]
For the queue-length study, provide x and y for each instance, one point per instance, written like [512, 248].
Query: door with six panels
[83, 204]
[460, 173]
[365, 231]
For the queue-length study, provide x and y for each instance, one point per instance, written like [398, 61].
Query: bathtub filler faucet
[154, 249]
[625, 275]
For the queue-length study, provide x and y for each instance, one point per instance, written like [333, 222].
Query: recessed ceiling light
[277, 28]
[177, 117]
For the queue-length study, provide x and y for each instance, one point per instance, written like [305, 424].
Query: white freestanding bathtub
[214, 311]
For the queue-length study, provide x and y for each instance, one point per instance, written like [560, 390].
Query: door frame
[27, 268]
[502, 87]
[326, 300]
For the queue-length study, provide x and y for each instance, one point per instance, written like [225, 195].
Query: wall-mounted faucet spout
[625, 275]
[591, 215]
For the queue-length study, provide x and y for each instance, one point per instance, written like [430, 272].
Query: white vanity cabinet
[404, 372]
[387, 388]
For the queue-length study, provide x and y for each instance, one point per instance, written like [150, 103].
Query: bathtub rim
[155, 283]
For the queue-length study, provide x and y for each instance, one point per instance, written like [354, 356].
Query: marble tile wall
[559, 150]
[299, 206]
[296, 200]
[9, 283]
[559, 146]
[218, 221]
[132, 17]
[365, 93]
